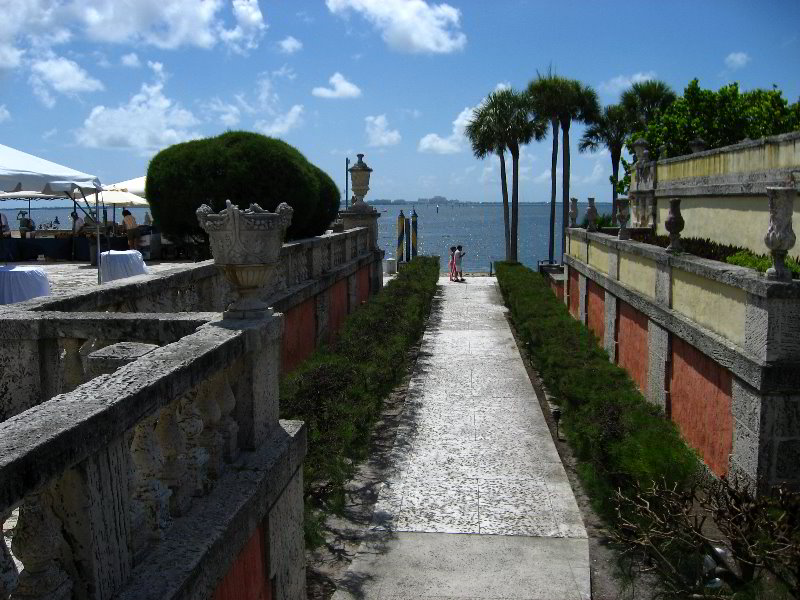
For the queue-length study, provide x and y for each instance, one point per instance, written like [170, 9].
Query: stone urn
[697, 145]
[246, 245]
[573, 212]
[591, 216]
[780, 237]
[359, 178]
[639, 149]
[623, 212]
[674, 225]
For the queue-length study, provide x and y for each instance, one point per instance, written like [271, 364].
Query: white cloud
[285, 71]
[130, 60]
[451, 144]
[290, 45]
[249, 28]
[59, 74]
[737, 60]
[49, 133]
[409, 25]
[282, 124]
[4, 114]
[544, 176]
[228, 114]
[340, 88]
[148, 121]
[378, 132]
[596, 176]
[617, 84]
[503, 85]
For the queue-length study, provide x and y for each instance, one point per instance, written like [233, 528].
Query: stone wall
[715, 345]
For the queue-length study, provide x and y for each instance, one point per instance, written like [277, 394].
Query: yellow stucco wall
[598, 256]
[735, 220]
[714, 305]
[577, 248]
[638, 273]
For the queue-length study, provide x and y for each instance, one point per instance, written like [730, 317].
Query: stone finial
[697, 145]
[573, 212]
[780, 237]
[674, 225]
[591, 216]
[639, 146]
[623, 213]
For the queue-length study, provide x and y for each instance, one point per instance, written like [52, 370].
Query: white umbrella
[133, 186]
[122, 199]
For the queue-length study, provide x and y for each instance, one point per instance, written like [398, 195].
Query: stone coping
[743, 145]
[220, 523]
[745, 278]
[49, 438]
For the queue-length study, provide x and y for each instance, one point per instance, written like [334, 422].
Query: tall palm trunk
[565, 188]
[615, 156]
[553, 164]
[514, 201]
[504, 184]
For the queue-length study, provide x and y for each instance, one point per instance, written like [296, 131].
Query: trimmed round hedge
[242, 167]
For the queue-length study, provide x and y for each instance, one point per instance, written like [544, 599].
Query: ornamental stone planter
[623, 214]
[591, 215]
[674, 225]
[780, 237]
[573, 212]
[246, 246]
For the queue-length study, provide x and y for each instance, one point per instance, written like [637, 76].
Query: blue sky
[101, 85]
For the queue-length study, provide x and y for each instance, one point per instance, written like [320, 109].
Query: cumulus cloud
[409, 25]
[282, 124]
[617, 84]
[130, 60]
[290, 45]
[596, 176]
[737, 60]
[503, 85]
[249, 28]
[340, 88]
[378, 132]
[4, 114]
[147, 122]
[227, 113]
[59, 74]
[451, 144]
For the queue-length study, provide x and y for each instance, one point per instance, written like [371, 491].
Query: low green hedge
[618, 437]
[339, 391]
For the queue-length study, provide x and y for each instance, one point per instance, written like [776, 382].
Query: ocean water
[479, 230]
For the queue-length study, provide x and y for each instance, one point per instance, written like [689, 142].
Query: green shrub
[761, 262]
[240, 166]
[340, 389]
[328, 205]
[603, 220]
[618, 437]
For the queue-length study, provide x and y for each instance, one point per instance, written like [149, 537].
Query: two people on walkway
[456, 255]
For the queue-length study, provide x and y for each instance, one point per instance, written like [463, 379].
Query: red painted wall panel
[558, 288]
[299, 334]
[700, 404]
[362, 284]
[247, 578]
[595, 309]
[632, 352]
[338, 306]
[574, 293]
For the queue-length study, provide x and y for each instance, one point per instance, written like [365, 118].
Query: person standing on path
[457, 257]
[452, 263]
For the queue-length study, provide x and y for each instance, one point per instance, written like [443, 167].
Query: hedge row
[339, 391]
[618, 437]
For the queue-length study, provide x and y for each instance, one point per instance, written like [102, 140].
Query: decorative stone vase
[591, 215]
[780, 237]
[662, 151]
[697, 145]
[639, 147]
[674, 225]
[623, 212]
[573, 212]
[359, 177]
[246, 246]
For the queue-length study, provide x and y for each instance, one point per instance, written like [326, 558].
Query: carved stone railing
[110, 473]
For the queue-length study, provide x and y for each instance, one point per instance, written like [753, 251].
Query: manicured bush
[761, 262]
[340, 389]
[241, 166]
[328, 205]
[618, 437]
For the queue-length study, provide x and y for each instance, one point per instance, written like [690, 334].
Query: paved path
[477, 504]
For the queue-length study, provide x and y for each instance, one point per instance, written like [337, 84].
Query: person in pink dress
[452, 264]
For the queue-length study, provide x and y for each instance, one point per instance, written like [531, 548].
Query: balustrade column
[8, 570]
[175, 467]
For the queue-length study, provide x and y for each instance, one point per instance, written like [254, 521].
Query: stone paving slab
[476, 503]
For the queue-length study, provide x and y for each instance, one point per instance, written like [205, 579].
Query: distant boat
[437, 209]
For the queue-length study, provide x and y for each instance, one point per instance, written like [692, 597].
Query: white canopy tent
[133, 186]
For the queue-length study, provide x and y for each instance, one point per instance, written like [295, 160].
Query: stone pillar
[20, 376]
[610, 322]
[658, 349]
[567, 289]
[582, 298]
[285, 542]
[664, 284]
[363, 215]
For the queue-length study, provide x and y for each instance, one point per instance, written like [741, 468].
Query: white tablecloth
[118, 264]
[22, 283]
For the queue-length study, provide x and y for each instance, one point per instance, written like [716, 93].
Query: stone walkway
[478, 504]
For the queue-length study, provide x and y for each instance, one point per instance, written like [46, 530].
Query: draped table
[119, 264]
[20, 283]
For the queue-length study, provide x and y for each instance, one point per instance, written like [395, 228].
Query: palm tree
[483, 132]
[609, 131]
[644, 98]
[579, 103]
[545, 92]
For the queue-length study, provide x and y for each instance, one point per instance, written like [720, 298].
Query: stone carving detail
[190, 422]
[674, 225]
[150, 501]
[573, 212]
[246, 246]
[623, 214]
[780, 237]
[300, 266]
[175, 467]
[209, 410]
[38, 543]
[228, 427]
[591, 215]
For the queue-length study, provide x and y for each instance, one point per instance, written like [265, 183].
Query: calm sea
[477, 227]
